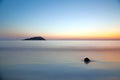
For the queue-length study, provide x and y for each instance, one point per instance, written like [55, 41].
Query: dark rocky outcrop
[86, 60]
[35, 38]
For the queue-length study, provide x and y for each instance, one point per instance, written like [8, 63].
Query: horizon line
[63, 39]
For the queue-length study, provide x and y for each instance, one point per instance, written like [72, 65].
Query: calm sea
[59, 60]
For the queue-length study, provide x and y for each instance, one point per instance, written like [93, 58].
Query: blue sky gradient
[59, 19]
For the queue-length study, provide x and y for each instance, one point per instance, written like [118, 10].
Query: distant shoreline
[35, 38]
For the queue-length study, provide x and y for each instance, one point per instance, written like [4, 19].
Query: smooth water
[59, 60]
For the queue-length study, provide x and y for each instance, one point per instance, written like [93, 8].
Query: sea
[60, 60]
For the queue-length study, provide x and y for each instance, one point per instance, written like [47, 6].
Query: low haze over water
[59, 60]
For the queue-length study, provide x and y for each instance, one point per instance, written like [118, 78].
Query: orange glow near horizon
[111, 35]
[84, 36]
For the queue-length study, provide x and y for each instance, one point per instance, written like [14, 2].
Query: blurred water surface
[59, 60]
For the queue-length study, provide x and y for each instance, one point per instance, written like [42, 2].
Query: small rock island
[87, 60]
[35, 38]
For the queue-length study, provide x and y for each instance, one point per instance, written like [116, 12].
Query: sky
[60, 19]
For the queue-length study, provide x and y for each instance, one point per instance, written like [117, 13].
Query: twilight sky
[60, 19]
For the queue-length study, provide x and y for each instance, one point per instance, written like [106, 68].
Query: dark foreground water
[59, 60]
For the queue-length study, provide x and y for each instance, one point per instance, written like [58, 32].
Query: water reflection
[59, 61]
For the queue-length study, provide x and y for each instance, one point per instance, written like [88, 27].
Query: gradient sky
[60, 19]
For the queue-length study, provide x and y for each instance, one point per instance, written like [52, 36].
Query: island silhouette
[35, 38]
